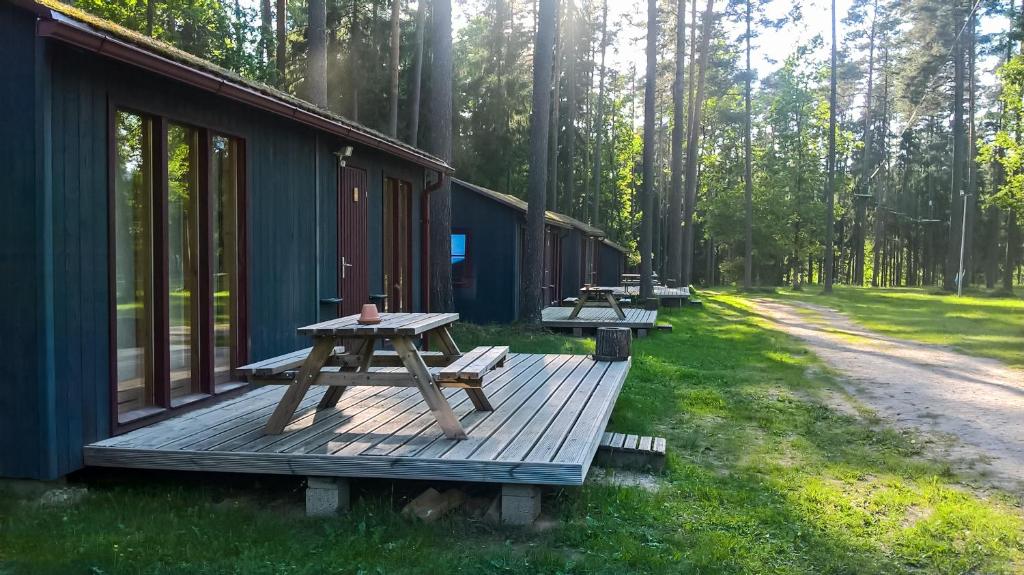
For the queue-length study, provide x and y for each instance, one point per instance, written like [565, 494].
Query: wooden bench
[279, 364]
[471, 369]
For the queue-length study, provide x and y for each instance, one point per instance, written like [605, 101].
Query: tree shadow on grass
[762, 477]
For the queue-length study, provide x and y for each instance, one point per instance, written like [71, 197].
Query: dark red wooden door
[353, 259]
[397, 226]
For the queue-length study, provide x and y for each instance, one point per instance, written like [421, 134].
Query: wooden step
[664, 327]
[631, 451]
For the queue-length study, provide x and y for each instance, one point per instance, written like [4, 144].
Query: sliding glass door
[176, 267]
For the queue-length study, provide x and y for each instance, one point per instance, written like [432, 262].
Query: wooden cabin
[488, 248]
[164, 221]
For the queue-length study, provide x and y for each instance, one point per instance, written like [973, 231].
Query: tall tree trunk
[266, 32]
[553, 122]
[570, 121]
[693, 144]
[830, 192]
[280, 59]
[675, 203]
[865, 160]
[537, 180]
[355, 50]
[1012, 244]
[956, 185]
[439, 96]
[748, 176]
[316, 75]
[599, 121]
[150, 16]
[396, 39]
[647, 195]
[972, 172]
[416, 82]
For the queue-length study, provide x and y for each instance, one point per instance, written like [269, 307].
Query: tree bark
[531, 305]
[280, 59]
[569, 197]
[865, 160]
[674, 264]
[150, 16]
[396, 39]
[316, 75]
[956, 187]
[552, 138]
[599, 121]
[647, 195]
[417, 76]
[1012, 244]
[693, 143]
[440, 145]
[972, 172]
[354, 60]
[748, 176]
[266, 32]
[830, 197]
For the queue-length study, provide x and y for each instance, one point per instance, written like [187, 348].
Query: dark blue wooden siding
[493, 244]
[572, 256]
[28, 380]
[54, 230]
[610, 265]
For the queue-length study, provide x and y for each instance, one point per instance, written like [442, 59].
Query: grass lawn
[761, 478]
[977, 324]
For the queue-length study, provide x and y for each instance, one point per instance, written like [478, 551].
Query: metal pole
[963, 234]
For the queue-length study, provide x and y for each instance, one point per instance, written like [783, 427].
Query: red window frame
[163, 405]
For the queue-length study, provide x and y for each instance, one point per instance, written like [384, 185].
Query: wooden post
[613, 343]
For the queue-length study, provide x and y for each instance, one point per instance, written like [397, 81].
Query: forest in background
[740, 168]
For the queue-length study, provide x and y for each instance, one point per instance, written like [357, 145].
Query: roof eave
[72, 32]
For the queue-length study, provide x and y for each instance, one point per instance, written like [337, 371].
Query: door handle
[343, 266]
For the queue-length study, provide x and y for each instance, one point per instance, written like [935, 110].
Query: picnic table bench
[345, 351]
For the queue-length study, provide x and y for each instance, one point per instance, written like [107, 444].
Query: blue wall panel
[493, 246]
[54, 231]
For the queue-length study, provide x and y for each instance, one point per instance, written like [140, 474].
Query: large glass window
[176, 238]
[133, 277]
[224, 166]
[182, 259]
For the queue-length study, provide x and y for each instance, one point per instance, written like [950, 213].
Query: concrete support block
[327, 496]
[520, 504]
[577, 332]
[641, 333]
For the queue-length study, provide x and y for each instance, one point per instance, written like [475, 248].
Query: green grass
[978, 323]
[761, 478]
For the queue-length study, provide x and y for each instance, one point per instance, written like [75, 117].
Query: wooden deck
[669, 297]
[594, 317]
[549, 415]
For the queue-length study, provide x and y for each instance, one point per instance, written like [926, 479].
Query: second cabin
[488, 255]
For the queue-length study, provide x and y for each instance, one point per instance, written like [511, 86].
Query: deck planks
[593, 317]
[549, 417]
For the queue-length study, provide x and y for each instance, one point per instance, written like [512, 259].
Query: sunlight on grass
[978, 325]
[761, 477]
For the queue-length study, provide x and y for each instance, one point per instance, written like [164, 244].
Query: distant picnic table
[594, 296]
[345, 350]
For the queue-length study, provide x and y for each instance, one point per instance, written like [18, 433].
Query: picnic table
[344, 350]
[594, 296]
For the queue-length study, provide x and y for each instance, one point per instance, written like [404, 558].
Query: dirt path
[975, 405]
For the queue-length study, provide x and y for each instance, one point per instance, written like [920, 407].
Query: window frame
[464, 279]
[158, 300]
